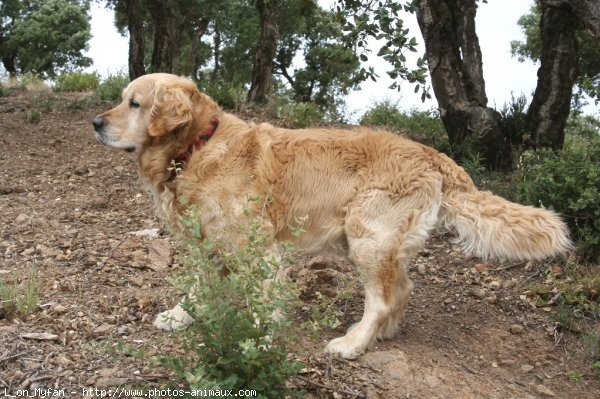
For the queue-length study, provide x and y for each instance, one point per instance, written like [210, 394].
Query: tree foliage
[217, 44]
[383, 21]
[330, 68]
[44, 37]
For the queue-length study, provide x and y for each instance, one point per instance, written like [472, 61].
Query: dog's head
[153, 108]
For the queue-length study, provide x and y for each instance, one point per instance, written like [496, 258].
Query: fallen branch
[31, 380]
[12, 357]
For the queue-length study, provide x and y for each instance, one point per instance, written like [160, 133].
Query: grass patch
[19, 299]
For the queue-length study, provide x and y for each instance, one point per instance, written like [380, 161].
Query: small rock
[507, 362]
[544, 391]
[102, 329]
[27, 251]
[421, 269]
[491, 299]
[152, 233]
[159, 256]
[516, 329]
[136, 280]
[508, 284]
[59, 309]
[480, 267]
[21, 218]
[62, 360]
[479, 293]
[526, 368]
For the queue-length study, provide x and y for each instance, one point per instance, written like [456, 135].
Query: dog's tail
[492, 227]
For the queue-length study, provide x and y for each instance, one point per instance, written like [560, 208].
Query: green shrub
[228, 97]
[422, 126]
[112, 87]
[243, 345]
[4, 92]
[76, 82]
[513, 119]
[301, 115]
[567, 181]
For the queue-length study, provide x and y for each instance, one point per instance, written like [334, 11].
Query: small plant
[77, 82]
[19, 300]
[81, 104]
[41, 104]
[236, 341]
[34, 117]
[112, 87]
[4, 92]
[574, 375]
[31, 82]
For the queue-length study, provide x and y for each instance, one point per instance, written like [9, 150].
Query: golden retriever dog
[370, 195]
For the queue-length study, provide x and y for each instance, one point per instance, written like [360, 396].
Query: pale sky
[496, 25]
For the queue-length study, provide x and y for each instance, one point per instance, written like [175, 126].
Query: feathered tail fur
[492, 227]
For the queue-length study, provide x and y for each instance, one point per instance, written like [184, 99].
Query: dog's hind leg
[383, 232]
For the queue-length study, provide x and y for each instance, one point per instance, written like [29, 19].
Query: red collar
[197, 143]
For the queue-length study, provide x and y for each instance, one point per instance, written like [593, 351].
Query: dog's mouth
[127, 146]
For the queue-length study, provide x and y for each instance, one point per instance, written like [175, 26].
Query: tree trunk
[164, 45]
[136, 38]
[260, 88]
[216, 55]
[587, 11]
[550, 107]
[199, 31]
[454, 60]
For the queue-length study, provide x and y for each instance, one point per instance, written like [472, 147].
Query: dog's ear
[172, 107]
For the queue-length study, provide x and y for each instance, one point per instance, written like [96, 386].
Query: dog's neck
[199, 141]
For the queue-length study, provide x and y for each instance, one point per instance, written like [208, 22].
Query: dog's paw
[173, 319]
[344, 347]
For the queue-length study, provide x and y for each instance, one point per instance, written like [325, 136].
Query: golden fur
[373, 196]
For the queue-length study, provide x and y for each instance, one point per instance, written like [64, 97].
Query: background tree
[330, 67]
[569, 54]
[453, 59]
[260, 86]
[135, 25]
[44, 37]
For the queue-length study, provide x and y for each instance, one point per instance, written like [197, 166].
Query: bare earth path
[69, 206]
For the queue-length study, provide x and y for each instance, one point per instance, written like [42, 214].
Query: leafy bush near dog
[76, 82]
[235, 342]
[567, 181]
[422, 126]
[112, 87]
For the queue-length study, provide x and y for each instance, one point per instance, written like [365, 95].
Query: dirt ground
[75, 210]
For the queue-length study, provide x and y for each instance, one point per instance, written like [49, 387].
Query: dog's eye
[134, 104]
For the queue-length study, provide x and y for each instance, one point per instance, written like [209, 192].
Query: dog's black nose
[98, 123]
